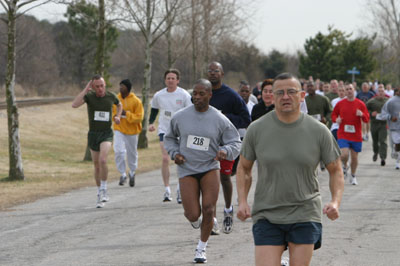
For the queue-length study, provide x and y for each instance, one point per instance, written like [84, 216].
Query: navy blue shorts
[266, 233]
[161, 137]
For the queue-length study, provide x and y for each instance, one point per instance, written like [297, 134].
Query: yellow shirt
[131, 122]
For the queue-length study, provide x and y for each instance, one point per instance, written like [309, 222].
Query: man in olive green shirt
[287, 209]
[99, 104]
[378, 126]
[318, 106]
[333, 90]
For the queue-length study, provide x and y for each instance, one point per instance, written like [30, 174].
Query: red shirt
[350, 127]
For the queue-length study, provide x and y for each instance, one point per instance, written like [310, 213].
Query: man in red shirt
[349, 113]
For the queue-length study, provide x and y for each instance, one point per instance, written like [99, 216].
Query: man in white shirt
[167, 101]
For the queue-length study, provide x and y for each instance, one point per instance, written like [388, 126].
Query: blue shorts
[161, 137]
[354, 145]
[266, 233]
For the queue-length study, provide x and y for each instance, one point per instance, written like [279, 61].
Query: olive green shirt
[331, 95]
[319, 106]
[376, 104]
[100, 110]
[287, 189]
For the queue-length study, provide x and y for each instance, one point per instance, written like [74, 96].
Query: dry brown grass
[53, 141]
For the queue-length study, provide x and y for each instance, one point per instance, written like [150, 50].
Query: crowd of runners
[288, 126]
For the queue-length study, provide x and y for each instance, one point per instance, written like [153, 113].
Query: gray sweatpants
[125, 147]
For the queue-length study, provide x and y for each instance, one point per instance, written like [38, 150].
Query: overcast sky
[280, 24]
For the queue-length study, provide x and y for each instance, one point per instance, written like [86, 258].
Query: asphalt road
[137, 228]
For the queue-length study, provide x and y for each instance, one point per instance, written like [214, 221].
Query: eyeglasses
[289, 92]
[214, 70]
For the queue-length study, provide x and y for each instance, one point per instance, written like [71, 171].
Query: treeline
[57, 59]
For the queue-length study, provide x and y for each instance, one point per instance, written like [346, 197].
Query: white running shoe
[353, 180]
[104, 195]
[197, 224]
[397, 165]
[178, 196]
[228, 222]
[99, 204]
[200, 256]
[215, 229]
[285, 261]
[167, 196]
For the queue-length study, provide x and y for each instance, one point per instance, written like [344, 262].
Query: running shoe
[200, 256]
[285, 261]
[353, 181]
[132, 180]
[228, 222]
[178, 196]
[104, 195]
[99, 203]
[122, 180]
[167, 196]
[215, 229]
[383, 163]
[197, 224]
[345, 172]
[375, 157]
[397, 165]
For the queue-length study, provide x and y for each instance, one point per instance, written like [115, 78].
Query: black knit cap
[127, 83]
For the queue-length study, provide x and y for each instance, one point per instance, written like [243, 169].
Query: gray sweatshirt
[198, 136]
[392, 109]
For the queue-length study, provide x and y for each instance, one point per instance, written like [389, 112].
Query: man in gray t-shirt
[200, 136]
[288, 146]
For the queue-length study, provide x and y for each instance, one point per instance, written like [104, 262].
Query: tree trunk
[101, 39]
[143, 141]
[194, 43]
[16, 171]
[168, 36]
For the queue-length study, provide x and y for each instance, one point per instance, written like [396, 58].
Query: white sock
[177, 187]
[131, 173]
[124, 174]
[168, 189]
[229, 210]
[103, 184]
[201, 245]
[98, 190]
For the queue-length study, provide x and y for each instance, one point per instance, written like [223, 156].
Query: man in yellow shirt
[126, 133]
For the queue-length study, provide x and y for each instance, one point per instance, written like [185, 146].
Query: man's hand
[338, 120]
[221, 155]
[359, 112]
[374, 113]
[152, 128]
[179, 159]
[394, 119]
[323, 120]
[331, 210]
[117, 120]
[243, 211]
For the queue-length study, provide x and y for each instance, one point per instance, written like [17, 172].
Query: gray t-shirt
[198, 136]
[287, 189]
[392, 109]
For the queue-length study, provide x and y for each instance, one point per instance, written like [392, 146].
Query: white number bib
[317, 116]
[349, 129]
[198, 143]
[101, 116]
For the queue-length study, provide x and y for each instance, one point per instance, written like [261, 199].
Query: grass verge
[53, 142]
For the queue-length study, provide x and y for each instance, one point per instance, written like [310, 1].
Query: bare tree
[152, 20]
[386, 18]
[13, 9]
